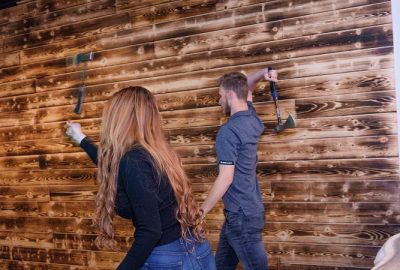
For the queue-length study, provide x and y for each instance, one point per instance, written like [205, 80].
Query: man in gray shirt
[236, 184]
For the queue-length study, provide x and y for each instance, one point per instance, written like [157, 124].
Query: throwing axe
[290, 121]
[76, 60]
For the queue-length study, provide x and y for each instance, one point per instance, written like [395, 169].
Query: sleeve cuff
[83, 141]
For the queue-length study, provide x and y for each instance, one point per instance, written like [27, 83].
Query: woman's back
[138, 182]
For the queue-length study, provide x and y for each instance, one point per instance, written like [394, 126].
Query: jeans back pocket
[206, 258]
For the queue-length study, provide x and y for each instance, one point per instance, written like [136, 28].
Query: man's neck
[239, 106]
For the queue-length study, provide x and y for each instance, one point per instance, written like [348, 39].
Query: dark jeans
[181, 255]
[240, 240]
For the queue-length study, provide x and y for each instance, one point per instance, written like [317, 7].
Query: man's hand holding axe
[270, 75]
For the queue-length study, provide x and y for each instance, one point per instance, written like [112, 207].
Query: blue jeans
[240, 240]
[181, 255]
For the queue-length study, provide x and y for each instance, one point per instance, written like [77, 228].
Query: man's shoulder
[226, 129]
[228, 133]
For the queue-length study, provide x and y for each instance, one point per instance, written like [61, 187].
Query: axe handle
[272, 86]
[81, 93]
[274, 93]
[278, 112]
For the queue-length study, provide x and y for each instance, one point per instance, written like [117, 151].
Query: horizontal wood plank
[71, 193]
[347, 234]
[20, 208]
[346, 105]
[38, 240]
[75, 207]
[72, 176]
[87, 242]
[59, 256]
[363, 191]
[58, 18]
[328, 255]
[355, 213]
[24, 193]
[9, 264]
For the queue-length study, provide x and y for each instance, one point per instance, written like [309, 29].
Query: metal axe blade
[289, 123]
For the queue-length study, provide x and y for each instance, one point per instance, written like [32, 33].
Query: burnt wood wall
[330, 186]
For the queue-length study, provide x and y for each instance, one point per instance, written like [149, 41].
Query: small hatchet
[76, 60]
[290, 121]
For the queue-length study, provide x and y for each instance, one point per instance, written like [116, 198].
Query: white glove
[74, 132]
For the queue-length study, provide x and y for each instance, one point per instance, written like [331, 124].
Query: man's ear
[232, 95]
[229, 94]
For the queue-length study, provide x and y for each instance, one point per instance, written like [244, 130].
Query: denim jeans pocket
[163, 266]
[233, 221]
[254, 224]
[206, 258]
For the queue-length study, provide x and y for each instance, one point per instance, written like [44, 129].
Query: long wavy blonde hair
[131, 118]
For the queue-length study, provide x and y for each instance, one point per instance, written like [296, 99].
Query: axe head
[289, 123]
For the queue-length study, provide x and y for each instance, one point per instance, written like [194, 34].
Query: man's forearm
[254, 78]
[218, 190]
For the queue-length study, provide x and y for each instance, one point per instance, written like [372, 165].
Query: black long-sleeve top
[145, 199]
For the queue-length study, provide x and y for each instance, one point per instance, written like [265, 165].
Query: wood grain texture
[58, 18]
[374, 235]
[47, 177]
[341, 83]
[362, 60]
[189, 41]
[42, 37]
[26, 9]
[276, 50]
[18, 88]
[8, 264]
[354, 213]
[330, 186]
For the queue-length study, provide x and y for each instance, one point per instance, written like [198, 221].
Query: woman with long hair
[141, 178]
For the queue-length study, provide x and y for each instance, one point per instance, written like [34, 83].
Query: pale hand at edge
[74, 131]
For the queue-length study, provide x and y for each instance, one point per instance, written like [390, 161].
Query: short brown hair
[235, 81]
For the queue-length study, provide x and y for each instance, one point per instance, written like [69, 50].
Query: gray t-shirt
[236, 144]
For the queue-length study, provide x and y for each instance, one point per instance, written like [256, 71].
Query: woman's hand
[74, 132]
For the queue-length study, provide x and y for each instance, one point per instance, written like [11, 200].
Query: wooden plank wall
[331, 186]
